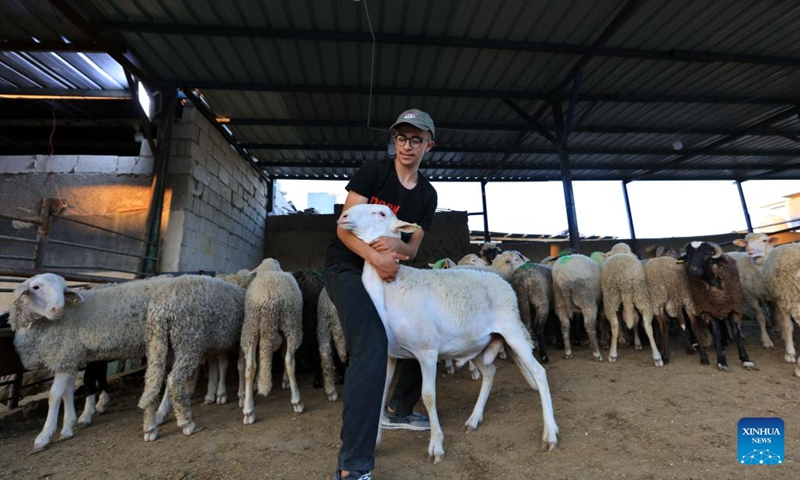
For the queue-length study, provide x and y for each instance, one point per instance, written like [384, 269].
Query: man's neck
[408, 176]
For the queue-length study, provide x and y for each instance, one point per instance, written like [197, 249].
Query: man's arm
[384, 262]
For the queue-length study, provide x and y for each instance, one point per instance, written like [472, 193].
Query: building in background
[321, 202]
[780, 215]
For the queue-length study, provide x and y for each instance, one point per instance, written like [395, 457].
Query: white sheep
[472, 259]
[273, 317]
[576, 289]
[758, 248]
[193, 316]
[455, 313]
[61, 329]
[781, 273]
[668, 285]
[624, 286]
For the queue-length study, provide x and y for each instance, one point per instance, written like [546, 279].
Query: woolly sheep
[273, 316]
[61, 329]
[758, 248]
[533, 284]
[455, 313]
[576, 289]
[781, 273]
[717, 295]
[472, 259]
[193, 316]
[329, 328]
[668, 285]
[624, 286]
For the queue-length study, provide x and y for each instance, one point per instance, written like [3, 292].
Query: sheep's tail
[157, 349]
[269, 342]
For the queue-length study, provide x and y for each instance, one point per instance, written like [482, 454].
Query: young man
[398, 184]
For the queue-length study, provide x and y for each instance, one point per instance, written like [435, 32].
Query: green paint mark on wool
[564, 259]
[525, 265]
[438, 265]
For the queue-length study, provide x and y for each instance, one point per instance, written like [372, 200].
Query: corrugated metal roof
[296, 82]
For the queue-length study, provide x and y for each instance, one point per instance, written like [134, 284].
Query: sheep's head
[700, 259]
[619, 248]
[509, 261]
[370, 221]
[267, 265]
[45, 295]
[758, 245]
[489, 251]
[472, 259]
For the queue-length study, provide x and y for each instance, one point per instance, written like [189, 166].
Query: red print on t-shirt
[375, 200]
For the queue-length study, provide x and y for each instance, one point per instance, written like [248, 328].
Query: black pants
[366, 372]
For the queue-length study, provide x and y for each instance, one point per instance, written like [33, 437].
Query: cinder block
[144, 166]
[18, 164]
[201, 174]
[184, 131]
[180, 165]
[56, 163]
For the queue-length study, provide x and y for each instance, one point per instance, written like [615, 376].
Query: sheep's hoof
[249, 418]
[36, 449]
[797, 372]
[437, 457]
[637, 347]
[789, 358]
[549, 446]
[102, 403]
[222, 399]
[723, 368]
[749, 365]
[451, 370]
[333, 396]
[191, 428]
[658, 363]
[768, 344]
[209, 400]
[470, 428]
[298, 407]
[151, 435]
[285, 385]
[704, 361]
[612, 359]
[568, 355]
[83, 423]
[475, 375]
[598, 357]
[66, 435]
[544, 359]
[241, 402]
[665, 360]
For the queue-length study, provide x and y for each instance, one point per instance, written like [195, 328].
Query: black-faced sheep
[717, 295]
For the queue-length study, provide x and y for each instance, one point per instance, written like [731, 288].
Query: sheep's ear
[22, 289]
[405, 227]
[73, 296]
[740, 243]
[774, 240]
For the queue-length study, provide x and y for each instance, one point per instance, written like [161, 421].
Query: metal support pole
[566, 175]
[159, 185]
[630, 216]
[486, 237]
[744, 206]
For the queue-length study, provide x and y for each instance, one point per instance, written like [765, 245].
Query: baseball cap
[417, 118]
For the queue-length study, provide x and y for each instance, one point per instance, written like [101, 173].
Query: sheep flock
[462, 312]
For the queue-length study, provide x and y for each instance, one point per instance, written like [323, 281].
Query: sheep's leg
[634, 324]
[565, 325]
[326, 360]
[90, 383]
[289, 371]
[250, 377]
[474, 373]
[391, 365]
[663, 329]
[61, 382]
[541, 321]
[163, 408]
[240, 368]
[178, 385]
[536, 377]
[427, 363]
[755, 304]
[487, 371]
[222, 388]
[647, 320]
[704, 320]
[785, 319]
[213, 380]
[613, 321]
[716, 331]
[590, 323]
[448, 366]
[733, 323]
[687, 330]
[70, 418]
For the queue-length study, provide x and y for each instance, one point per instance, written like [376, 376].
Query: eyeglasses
[415, 142]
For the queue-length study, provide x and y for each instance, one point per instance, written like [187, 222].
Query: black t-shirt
[377, 181]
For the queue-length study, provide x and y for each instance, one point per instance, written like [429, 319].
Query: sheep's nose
[57, 310]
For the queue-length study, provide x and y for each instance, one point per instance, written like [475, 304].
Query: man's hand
[387, 244]
[387, 265]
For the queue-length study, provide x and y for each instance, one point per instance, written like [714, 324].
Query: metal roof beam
[31, 46]
[733, 152]
[554, 165]
[465, 93]
[69, 122]
[63, 94]
[674, 55]
[509, 127]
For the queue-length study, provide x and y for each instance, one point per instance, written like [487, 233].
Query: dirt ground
[623, 420]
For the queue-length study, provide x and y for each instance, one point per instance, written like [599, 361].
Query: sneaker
[414, 421]
[353, 475]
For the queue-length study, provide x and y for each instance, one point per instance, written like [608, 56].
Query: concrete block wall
[218, 211]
